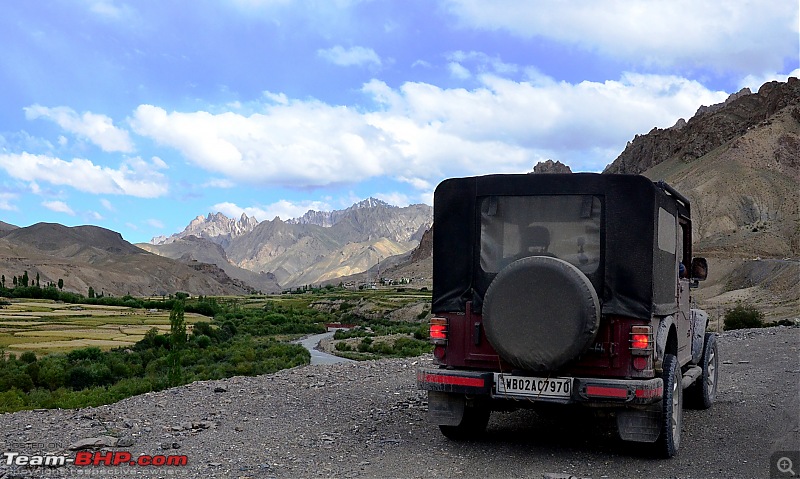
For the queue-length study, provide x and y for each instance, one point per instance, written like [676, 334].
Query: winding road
[317, 356]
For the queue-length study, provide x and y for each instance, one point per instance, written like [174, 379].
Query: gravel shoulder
[368, 420]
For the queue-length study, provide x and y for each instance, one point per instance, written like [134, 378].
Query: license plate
[530, 387]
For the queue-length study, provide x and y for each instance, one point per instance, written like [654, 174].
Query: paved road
[317, 356]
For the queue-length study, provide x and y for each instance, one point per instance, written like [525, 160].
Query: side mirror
[699, 269]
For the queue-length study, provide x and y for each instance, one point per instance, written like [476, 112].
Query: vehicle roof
[632, 284]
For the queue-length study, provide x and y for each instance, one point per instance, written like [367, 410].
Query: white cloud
[134, 177]
[425, 132]
[107, 204]
[58, 207]
[155, 223]
[99, 129]
[219, 183]
[94, 215]
[458, 71]
[132, 226]
[739, 35]
[7, 201]
[346, 57]
[394, 198]
[417, 183]
[754, 82]
[109, 9]
[282, 209]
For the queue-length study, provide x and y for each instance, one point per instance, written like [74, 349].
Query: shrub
[343, 347]
[743, 316]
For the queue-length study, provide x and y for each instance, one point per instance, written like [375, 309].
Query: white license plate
[530, 387]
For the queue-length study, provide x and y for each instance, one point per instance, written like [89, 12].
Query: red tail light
[438, 331]
[641, 339]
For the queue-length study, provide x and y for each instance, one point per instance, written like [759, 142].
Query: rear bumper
[584, 390]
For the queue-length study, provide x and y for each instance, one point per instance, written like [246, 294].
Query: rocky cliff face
[215, 227]
[710, 128]
[551, 166]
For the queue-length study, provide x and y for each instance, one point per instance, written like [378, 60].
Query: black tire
[472, 425]
[703, 393]
[669, 439]
[540, 313]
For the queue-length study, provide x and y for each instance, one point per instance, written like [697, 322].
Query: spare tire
[540, 312]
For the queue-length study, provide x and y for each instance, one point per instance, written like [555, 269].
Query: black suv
[570, 289]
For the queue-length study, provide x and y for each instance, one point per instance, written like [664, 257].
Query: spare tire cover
[540, 312]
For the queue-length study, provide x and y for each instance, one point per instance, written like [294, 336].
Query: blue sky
[139, 115]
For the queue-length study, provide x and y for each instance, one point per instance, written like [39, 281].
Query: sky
[140, 115]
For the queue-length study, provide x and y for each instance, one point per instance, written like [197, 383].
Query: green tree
[60, 284]
[91, 292]
[177, 339]
[15, 281]
[37, 280]
[25, 279]
[3, 281]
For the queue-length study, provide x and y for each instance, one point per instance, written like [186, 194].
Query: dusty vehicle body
[566, 289]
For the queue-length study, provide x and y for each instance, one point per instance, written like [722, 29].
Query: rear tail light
[641, 340]
[438, 331]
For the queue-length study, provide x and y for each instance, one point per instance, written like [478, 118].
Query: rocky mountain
[372, 219]
[191, 249]
[314, 248]
[551, 166]
[217, 228]
[90, 256]
[5, 227]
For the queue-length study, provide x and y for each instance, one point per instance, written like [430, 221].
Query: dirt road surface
[367, 420]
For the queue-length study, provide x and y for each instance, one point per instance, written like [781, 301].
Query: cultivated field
[45, 326]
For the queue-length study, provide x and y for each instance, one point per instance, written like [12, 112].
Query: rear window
[563, 226]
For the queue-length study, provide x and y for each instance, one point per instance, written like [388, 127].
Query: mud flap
[640, 424]
[445, 409]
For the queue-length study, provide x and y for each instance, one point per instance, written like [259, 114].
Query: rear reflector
[453, 380]
[606, 392]
[649, 393]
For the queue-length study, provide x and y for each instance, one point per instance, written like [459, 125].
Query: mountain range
[314, 248]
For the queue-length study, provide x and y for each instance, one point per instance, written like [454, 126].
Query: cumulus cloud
[99, 129]
[58, 207]
[7, 201]
[346, 57]
[754, 82]
[394, 198]
[735, 35]
[423, 132]
[282, 209]
[134, 177]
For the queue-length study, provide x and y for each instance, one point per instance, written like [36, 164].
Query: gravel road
[367, 420]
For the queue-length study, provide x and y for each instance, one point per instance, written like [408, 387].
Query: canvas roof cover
[635, 277]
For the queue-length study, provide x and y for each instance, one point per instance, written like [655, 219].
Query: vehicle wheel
[472, 425]
[669, 439]
[540, 313]
[703, 392]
